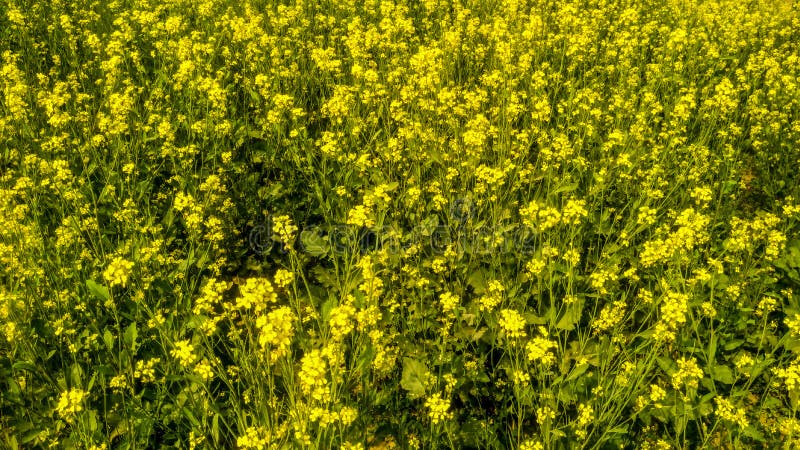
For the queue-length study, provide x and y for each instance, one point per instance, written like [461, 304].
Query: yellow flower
[277, 330]
[348, 415]
[611, 315]
[574, 211]
[657, 393]
[118, 272]
[71, 402]
[790, 375]
[145, 370]
[673, 314]
[360, 216]
[448, 302]
[437, 408]
[203, 370]
[312, 376]
[539, 348]
[492, 298]
[341, 323]
[253, 437]
[688, 374]
[284, 229]
[531, 444]
[283, 278]
[585, 417]
[257, 293]
[726, 411]
[512, 323]
[184, 353]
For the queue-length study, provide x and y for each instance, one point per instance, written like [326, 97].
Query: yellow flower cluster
[688, 374]
[539, 349]
[276, 330]
[363, 215]
[673, 314]
[146, 370]
[253, 438]
[574, 211]
[184, 352]
[531, 444]
[585, 418]
[793, 323]
[726, 411]
[493, 296]
[341, 321]
[284, 229]
[599, 278]
[211, 295]
[256, 293]
[448, 302]
[204, 370]
[540, 217]
[746, 235]
[610, 316]
[118, 272]
[312, 376]
[438, 408]
[647, 216]
[657, 395]
[71, 402]
[283, 278]
[692, 231]
[619, 174]
[512, 323]
[790, 376]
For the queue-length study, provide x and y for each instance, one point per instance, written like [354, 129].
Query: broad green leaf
[733, 344]
[313, 244]
[565, 188]
[131, 333]
[24, 365]
[108, 339]
[571, 317]
[98, 290]
[477, 280]
[723, 374]
[415, 375]
[577, 371]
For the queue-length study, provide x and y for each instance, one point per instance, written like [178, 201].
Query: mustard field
[399, 224]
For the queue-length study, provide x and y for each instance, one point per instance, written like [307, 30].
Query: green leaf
[415, 374]
[24, 365]
[565, 188]
[666, 364]
[76, 375]
[325, 309]
[108, 339]
[313, 244]
[468, 333]
[427, 226]
[477, 280]
[733, 344]
[91, 382]
[98, 290]
[723, 374]
[576, 372]
[705, 407]
[571, 317]
[215, 428]
[365, 360]
[712, 348]
[131, 333]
